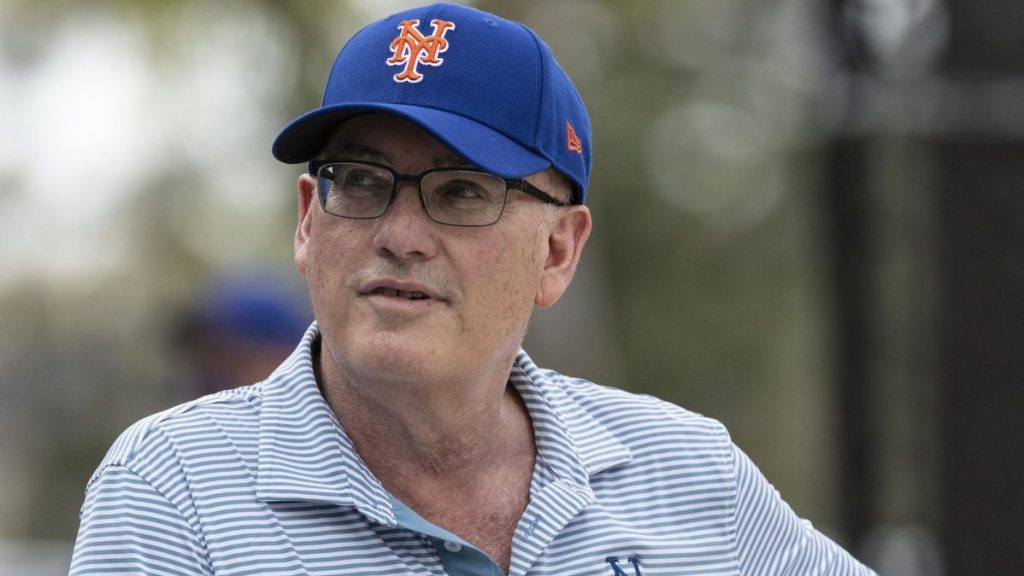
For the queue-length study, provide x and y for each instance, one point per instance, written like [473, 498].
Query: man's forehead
[379, 144]
[373, 137]
[355, 151]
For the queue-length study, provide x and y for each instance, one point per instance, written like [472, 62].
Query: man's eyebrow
[452, 161]
[359, 151]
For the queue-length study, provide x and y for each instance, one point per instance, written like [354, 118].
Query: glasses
[452, 196]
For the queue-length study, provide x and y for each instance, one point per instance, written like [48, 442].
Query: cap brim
[306, 136]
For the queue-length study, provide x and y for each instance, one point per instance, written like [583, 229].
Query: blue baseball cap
[486, 87]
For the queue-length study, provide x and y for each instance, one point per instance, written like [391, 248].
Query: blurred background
[808, 226]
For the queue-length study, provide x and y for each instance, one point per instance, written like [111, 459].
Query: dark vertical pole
[983, 355]
[846, 215]
[981, 199]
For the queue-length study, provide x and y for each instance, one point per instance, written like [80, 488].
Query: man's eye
[358, 179]
[462, 191]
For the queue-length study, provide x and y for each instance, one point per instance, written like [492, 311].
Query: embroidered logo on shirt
[411, 48]
[633, 560]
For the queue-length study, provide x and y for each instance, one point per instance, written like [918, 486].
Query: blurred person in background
[408, 433]
[242, 326]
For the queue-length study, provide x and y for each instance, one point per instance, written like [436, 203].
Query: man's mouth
[394, 293]
[401, 289]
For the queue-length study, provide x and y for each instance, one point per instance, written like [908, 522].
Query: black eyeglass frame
[417, 179]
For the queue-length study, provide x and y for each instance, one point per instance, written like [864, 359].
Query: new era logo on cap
[572, 140]
[411, 48]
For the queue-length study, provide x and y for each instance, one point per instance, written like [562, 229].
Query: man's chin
[395, 354]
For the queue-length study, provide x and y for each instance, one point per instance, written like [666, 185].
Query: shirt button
[453, 547]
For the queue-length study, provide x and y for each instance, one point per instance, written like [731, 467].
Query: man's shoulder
[632, 414]
[636, 441]
[157, 436]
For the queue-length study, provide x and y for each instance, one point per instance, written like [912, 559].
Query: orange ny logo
[411, 48]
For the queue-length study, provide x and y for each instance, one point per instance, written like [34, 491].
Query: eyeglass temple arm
[527, 188]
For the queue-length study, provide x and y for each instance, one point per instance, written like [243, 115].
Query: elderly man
[408, 433]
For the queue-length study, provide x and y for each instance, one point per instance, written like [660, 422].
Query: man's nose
[405, 230]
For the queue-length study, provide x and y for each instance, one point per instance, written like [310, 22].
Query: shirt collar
[305, 455]
[573, 444]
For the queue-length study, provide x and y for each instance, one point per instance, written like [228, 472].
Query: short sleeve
[774, 541]
[129, 527]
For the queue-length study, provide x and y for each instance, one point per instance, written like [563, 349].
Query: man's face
[367, 278]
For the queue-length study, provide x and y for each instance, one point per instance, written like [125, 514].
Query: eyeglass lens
[450, 196]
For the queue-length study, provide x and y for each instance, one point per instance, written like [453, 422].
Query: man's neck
[461, 454]
[418, 435]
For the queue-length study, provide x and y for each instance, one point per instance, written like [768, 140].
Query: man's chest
[303, 538]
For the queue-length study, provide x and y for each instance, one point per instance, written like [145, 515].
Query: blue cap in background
[253, 305]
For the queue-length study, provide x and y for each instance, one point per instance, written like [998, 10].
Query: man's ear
[566, 239]
[307, 206]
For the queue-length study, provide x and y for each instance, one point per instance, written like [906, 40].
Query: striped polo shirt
[264, 480]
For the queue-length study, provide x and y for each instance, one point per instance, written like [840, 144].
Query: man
[408, 433]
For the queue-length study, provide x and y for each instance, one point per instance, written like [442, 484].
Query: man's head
[432, 224]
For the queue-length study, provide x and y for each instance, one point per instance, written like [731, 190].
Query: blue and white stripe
[263, 480]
